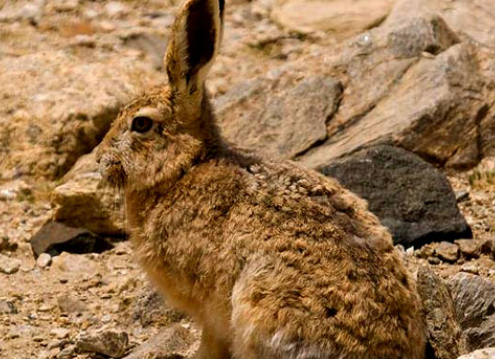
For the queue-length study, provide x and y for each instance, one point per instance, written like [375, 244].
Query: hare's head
[158, 136]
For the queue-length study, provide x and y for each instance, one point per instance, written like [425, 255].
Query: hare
[273, 260]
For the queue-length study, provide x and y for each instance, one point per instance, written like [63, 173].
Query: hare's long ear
[194, 42]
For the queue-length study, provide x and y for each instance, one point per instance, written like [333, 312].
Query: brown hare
[273, 260]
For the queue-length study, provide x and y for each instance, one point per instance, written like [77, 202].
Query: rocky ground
[408, 86]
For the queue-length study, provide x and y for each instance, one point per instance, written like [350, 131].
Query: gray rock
[474, 298]
[54, 238]
[111, 343]
[174, 342]
[280, 117]
[448, 252]
[9, 265]
[411, 197]
[444, 332]
[488, 353]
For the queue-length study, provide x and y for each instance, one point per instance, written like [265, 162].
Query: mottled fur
[275, 261]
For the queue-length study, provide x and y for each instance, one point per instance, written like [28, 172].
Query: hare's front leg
[212, 346]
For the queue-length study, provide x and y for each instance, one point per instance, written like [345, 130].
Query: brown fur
[275, 261]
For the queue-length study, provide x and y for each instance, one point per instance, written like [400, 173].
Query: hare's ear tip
[221, 5]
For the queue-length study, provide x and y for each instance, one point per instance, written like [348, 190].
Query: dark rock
[279, 117]
[109, 343]
[474, 298]
[174, 342]
[444, 332]
[411, 197]
[55, 238]
[448, 252]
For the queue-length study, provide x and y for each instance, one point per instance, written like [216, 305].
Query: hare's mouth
[112, 172]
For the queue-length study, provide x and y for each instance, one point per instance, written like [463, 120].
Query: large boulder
[82, 201]
[421, 81]
[410, 196]
[280, 115]
[474, 298]
[57, 106]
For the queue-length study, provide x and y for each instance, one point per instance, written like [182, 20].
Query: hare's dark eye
[141, 124]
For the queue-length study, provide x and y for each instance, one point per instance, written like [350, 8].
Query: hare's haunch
[273, 260]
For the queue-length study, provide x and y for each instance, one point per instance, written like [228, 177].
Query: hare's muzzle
[110, 169]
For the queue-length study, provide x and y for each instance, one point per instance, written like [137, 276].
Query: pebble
[448, 252]
[470, 268]
[9, 265]
[67, 352]
[60, 333]
[69, 305]
[44, 260]
[110, 343]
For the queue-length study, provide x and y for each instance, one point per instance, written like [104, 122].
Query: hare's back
[321, 270]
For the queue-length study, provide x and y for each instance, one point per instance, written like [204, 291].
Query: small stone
[60, 333]
[115, 9]
[69, 305]
[488, 247]
[9, 265]
[469, 248]
[462, 196]
[448, 252]
[54, 352]
[84, 40]
[174, 341]
[470, 268]
[7, 307]
[72, 263]
[44, 260]
[425, 252]
[67, 352]
[433, 260]
[111, 343]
